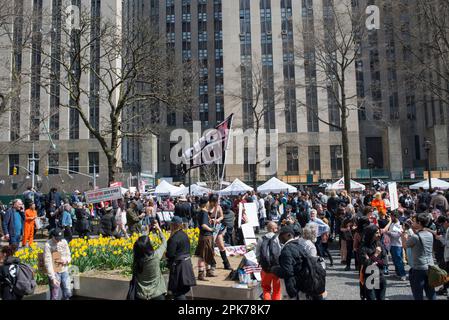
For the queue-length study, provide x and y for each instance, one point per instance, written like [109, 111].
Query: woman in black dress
[178, 255]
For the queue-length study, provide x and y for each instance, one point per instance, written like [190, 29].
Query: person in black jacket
[289, 260]
[107, 223]
[183, 209]
[7, 278]
[178, 254]
[371, 253]
[228, 221]
[82, 225]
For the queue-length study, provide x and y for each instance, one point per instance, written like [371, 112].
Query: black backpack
[310, 276]
[24, 282]
[269, 254]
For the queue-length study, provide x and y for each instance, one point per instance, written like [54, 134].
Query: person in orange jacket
[379, 204]
[30, 220]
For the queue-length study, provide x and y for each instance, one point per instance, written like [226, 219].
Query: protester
[13, 222]
[108, 224]
[133, 218]
[57, 257]
[150, 283]
[66, 222]
[216, 217]
[421, 243]
[228, 221]
[394, 232]
[372, 254]
[120, 219]
[205, 249]
[267, 253]
[181, 277]
[30, 221]
[8, 273]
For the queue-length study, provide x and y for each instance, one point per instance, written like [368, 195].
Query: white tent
[276, 186]
[166, 189]
[235, 188]
[436, 183]
[195, 190]
[340, 185]
[124, 190]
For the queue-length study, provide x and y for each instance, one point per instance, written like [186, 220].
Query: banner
[393, 192]
[105, 194]
[116, 184]
[210, 148]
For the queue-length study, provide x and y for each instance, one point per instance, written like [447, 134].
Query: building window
[13, 161]
[74, 162]
[314, 159]
[53, 163]
[171, 118]
[94, 161]
[292, 160]
[336, 159]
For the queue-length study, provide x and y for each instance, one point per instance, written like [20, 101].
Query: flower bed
[101, 253]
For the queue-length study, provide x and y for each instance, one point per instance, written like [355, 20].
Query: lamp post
[371, 164]
[427, 147]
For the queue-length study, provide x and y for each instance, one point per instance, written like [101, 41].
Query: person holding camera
[421, 244]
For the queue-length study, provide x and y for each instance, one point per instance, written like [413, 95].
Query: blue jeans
[396, 254]
[420, 283]
[64, 287]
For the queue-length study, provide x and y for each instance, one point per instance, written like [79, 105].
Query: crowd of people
[298, 230]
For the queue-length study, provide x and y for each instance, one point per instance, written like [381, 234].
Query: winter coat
[181, 269]
[7, 278]
[8, 223]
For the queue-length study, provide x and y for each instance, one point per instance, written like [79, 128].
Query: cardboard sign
[251, 213]
[240, 214]
[105, 194]
[393, 192]
[248, 234]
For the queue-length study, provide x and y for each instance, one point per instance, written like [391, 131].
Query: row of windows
[53, 167]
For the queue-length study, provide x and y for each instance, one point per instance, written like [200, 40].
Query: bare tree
[261, 103]
[134, 72]
[329, 53]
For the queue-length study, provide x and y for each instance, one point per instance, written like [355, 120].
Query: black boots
[227, 265]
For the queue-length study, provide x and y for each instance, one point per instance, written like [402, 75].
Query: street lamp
[371, 164]
[427, 147]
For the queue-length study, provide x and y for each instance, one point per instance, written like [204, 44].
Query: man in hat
[57, 257]
[108, 224]
[181, 277]
[133, 218]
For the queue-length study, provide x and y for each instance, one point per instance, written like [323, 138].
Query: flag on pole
[210, 148]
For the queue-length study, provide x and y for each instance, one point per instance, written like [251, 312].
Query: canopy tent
[195, 190]
[276, 186]
[166, 189]
[124, 190]
[340, 185]
[235, 188]
[436, 183]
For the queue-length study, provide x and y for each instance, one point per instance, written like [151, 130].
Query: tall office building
[230, 40]
[397, 113]
[68, 155]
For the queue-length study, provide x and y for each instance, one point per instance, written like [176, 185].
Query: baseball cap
[177, 220]
[58, 234]
[287, 229]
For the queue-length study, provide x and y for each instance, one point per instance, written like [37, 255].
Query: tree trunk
[344, 137]
[256, 165]
[112, 167]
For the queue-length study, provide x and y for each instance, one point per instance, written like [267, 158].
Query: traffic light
[14, 171]
[46, 172]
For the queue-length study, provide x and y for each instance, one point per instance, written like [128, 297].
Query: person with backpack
[268, 250]
[57, 257]
[16, 279]
[421, 244]
[302, 273]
